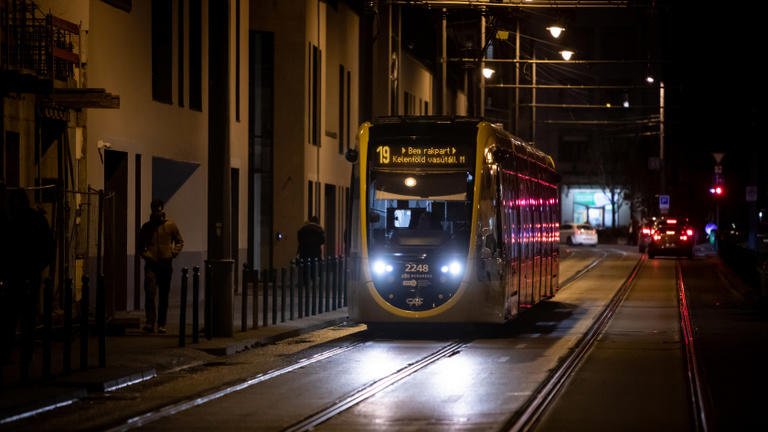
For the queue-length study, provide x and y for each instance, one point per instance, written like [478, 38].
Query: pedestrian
[160, 242]
[28, 247]
[311, 238]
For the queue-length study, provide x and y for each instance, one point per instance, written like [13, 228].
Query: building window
[180, 62]
[341, 108]
[314, 116]
[195, 55]
[310, 200]
[349, 107]
[237, 60]
[162, 52]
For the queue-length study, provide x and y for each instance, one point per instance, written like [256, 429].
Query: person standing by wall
[28, 247]
[160, 242]
[311, 237]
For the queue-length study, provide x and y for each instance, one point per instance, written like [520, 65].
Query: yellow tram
[456, 220]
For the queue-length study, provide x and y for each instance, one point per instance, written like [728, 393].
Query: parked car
[671, 236]
[578, 234]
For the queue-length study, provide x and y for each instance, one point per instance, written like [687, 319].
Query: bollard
[265, 300]
[314, 286]
[326, 285]
[195, 303]
[84, 307]
[282, 294]
[28, 314]
[335, 284]
[101, 320]
[183, 308]
[345, 272]
[307, 286]
[255, 304]
[292, 268]
[244, 299]
[340, 273]
[208, 307]
[48, 326]
[273, 280]
[67, 366]
[320, 284]
[301, 288]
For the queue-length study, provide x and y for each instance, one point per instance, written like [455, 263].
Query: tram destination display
[421, 156]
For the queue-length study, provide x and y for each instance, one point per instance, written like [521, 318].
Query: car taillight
[689, 232]
[646, 231]
[671, 221]
[656, 237]
[683, 237]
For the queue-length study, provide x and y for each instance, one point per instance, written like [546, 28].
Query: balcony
[38, 52]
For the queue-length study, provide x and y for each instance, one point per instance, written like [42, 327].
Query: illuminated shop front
[591, 204]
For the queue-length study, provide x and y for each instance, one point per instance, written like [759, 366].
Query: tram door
[511, 261]
[546, 254]
[536, 237]
[526, 261]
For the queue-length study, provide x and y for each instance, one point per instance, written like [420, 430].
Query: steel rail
[375, 387]
[579, 274]
[323, 415]
[696, 388]
[529, 414]
[175, 408]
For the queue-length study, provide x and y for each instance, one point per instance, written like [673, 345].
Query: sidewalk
[135, 357]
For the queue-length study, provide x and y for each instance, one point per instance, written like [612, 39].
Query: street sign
[751, 193]
[663, 203]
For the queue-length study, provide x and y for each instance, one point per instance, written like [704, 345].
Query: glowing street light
[488, 73]
[555, 31]
[567, 54]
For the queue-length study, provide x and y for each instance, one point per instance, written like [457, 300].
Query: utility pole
[661, 138]
[481, 72]
[219, 264]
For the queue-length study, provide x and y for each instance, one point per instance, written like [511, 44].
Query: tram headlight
[381, 267]
[453, 268]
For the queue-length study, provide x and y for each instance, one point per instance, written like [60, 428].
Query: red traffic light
[718, 190]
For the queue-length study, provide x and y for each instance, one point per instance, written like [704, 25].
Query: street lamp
[566, 54]
[488, 72]
[555, 31]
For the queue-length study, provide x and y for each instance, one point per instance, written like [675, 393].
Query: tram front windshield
[417, 213]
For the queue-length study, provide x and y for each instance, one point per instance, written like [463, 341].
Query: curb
[67, 390]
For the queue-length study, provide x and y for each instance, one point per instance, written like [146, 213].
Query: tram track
[579, 274]
[695, 382]
[341, 404]
[375, 387]
[526, 418]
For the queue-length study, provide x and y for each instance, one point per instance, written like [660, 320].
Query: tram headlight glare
[454, 268]
[380, 267]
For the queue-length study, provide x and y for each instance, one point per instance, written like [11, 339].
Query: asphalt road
[477, 385]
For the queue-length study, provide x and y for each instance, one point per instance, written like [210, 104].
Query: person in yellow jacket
[160, 242]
